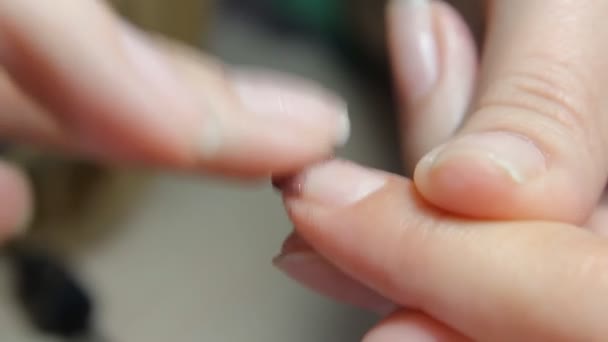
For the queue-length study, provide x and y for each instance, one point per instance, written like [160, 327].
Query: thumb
[534, 145]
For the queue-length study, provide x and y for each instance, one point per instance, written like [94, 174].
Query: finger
[305, 266]
[435, 64]
[115, 94]
[16, 208]
[492, 281]
[290, 122]
[534, 146]
[428, 120]
[412, 327]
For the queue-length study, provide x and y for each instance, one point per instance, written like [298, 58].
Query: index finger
[119, 96]
[492, 281]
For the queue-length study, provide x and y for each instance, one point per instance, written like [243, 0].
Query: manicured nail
[336, 183]
[414, 45]
[314, 272]
[299, 102]
[514, 155]
[19, 211]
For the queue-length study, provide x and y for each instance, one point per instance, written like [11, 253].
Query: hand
[78, 80]
[522, 135]
[518, 94]
[457, 279]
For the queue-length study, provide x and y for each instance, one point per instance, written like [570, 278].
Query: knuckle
[551, 92]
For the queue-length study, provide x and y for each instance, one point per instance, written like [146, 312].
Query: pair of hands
[498, 237]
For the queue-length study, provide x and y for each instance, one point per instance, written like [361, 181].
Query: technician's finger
[116, 94]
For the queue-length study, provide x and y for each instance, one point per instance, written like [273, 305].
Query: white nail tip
[343, 129]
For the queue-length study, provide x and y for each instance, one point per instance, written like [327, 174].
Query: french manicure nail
[336, 183]
[280, 97]
[314, 272]
[518, 157]
[414, 45]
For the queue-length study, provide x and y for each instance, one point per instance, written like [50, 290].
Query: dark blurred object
[54, 300]
[343, 25]
[52, 297]
[355, 29]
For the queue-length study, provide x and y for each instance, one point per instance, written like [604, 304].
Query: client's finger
[493, 281]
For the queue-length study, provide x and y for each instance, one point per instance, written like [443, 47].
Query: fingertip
[260, 122]
[414, 327]
[493, 175]
[291, 100]
[436, 90]
[17, 209]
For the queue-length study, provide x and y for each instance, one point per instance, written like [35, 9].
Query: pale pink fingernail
[287, 98]
[399, 331]
[414, 46]
[516, 156]
[335, 183]
[314, 272]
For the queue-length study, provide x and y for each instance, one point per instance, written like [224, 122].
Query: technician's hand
[77, 79]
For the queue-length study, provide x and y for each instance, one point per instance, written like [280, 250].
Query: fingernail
[298, 102]
[399, 331]
[415, 46]
[336, 183]
[514, 155]
[314, 272]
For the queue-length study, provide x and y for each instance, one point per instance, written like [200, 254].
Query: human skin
[451, 278]
[77, 79]
[517, 136]
[530, 154]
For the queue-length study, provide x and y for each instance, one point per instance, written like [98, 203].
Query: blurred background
[174, 258]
